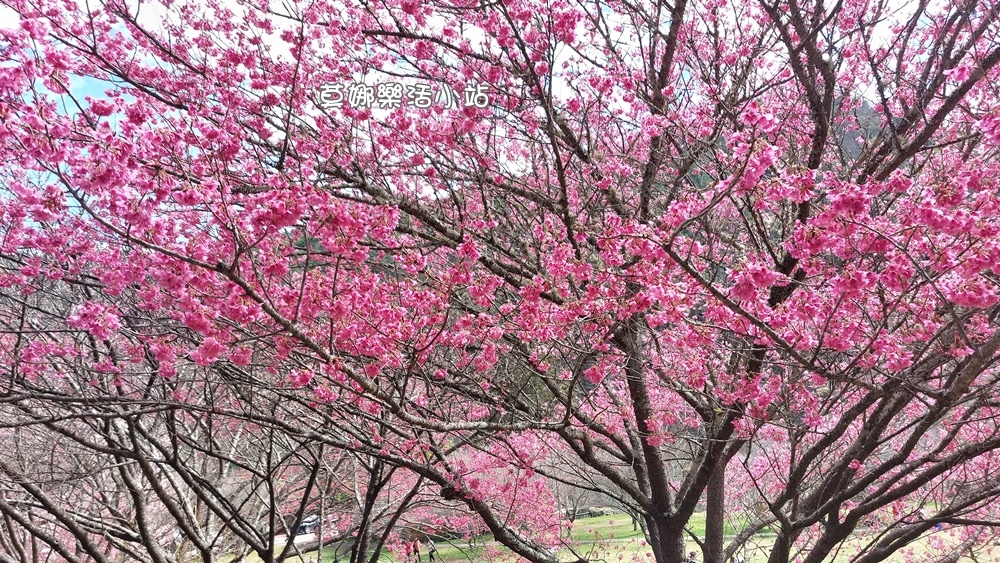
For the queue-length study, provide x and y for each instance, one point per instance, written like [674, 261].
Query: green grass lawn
[618, 526]
[598, 536]
[612, 538]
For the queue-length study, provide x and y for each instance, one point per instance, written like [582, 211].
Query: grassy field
[611, 539]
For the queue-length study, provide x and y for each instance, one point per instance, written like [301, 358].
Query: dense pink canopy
[676, 253]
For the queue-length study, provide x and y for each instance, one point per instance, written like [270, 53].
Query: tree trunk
[360, 548]
[322, 517]
[670, 547]
[716, 515]
[781, 552]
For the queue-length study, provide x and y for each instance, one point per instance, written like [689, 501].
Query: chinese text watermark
[393, 95]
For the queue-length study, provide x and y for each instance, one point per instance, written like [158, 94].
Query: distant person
[431, 550]
[416, 550]
[692, 558]
[409, 552]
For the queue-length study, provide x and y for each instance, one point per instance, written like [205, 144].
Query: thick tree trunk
[716, 515]
[322, 518]
[670, 547]
[359, 550]
[782, 549]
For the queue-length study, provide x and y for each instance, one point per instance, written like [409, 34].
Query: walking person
[416, 550]
[431, 550]
[409, 552]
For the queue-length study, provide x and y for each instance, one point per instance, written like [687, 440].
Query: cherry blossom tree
[706, 247]
[170, 465]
